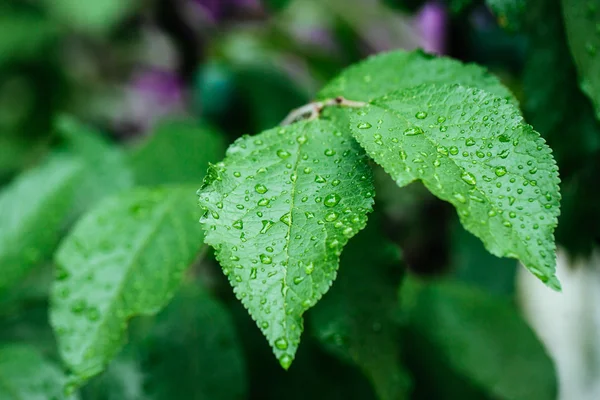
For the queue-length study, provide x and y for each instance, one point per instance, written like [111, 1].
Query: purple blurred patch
[150, 95]
[432, 22]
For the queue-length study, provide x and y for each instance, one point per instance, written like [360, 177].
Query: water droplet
[469, 178]
[332, 200]
[335, 182]
[283, 154]
[286, 218]
[331, 216]
[421, 115]
[263, 202]
[265, 259]
[470, 142]
[285, 361]
[442, 150]
[302, 139]
[504, 153]
[309, 268]
[309, 215]
[364, 125]
[460, 197]
[266, 225]
[454, 150]
[329, 152]
[260, 189]
[504, 138]
[414, 131]
[500, 171]
[320, 179]
[238, 224]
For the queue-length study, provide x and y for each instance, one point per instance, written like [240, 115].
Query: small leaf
[473, 150]
[177, 152]
[124, 258]
[25, 374]
[33, 210]
[480, 337]
[279, 210]
[582, 23]
[354, 319]
[387, 72]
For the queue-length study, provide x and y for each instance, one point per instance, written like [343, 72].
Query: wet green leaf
[123, 258]
[473, 150]
[278, 211]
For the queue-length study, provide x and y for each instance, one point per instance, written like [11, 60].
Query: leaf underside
[473, 150]
[278, 211]
[124, 258]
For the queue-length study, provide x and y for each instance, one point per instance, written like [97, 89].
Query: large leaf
[279, 210]
[124, 258]
[479, 337]
[473, 150]
[33, 209]
[25, 374]
[354, 320]
[177, 152]
[582, 23]
[384, 73]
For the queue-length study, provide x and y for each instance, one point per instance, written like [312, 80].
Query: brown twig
[313, 110]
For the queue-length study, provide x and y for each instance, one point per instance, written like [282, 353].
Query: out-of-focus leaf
[479, 337]
[26, 375]
[276, 5]
[354, 320]
[177, 152]
[582, 23]
[106, 169]
[124, 258]
[405, 5]
[93, 17]
[193, 352]
[24, 36]
[33, 210]
[555, 105]
[474, 265]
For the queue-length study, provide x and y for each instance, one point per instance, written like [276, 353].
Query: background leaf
[124, 258]
[582, 22]
[26, 374]
[473, 150]
[177, 152]
[354, 320]
[479, 337]
[279, 210]
[510, 13]
[42, 196]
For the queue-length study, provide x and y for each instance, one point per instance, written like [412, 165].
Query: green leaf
[124, 258]
[354, 320]
[473, 150]
[481, 338]
[582, 23]
[387, 72]
[510, 13]
[24, 36]
[96, 18]
[279, 210]
[277, 5]
[33, 209]
[177, 152]
[26, 374]
[106, 170]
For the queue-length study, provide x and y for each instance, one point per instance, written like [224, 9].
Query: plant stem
[313, 110]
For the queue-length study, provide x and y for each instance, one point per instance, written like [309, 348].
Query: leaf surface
[473, 150]
[354, 320]
[279, 210]
[124, 258]
[582, 23]
[26, 374]
[33, 210]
